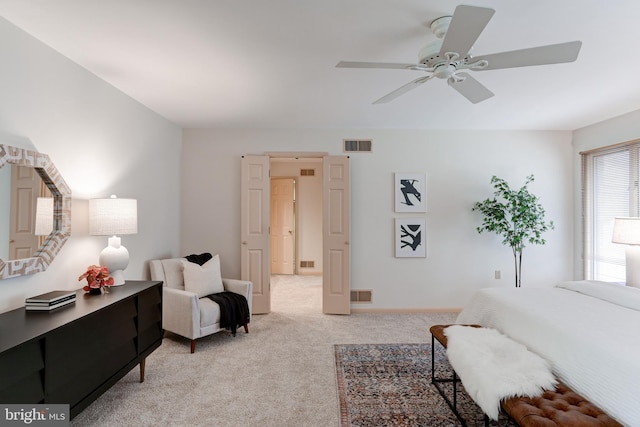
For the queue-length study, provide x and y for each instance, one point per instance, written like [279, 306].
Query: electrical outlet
[497, 274]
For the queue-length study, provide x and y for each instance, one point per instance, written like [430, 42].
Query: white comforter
[589, 331]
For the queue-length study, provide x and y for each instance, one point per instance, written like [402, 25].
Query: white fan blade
[389, 65]
[402, 90]
[470, 88]
[541, 55]
[466, 25]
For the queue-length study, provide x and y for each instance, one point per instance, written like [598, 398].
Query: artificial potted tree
[516, 215]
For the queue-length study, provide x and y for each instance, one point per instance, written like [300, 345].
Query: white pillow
[202, 280]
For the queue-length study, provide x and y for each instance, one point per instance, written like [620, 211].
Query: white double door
[255, 238]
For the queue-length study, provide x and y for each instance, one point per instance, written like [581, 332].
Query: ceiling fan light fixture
[444, 71]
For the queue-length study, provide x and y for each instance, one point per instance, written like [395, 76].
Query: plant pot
[95, 291]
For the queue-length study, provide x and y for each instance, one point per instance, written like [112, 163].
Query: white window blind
[610, 189]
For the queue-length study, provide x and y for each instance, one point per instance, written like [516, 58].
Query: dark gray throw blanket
[199, 259]
[234, 310]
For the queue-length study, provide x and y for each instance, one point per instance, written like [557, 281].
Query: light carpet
[280, 374]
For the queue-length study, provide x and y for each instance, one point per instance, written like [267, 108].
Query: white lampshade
[44, 216]
[112, 217]
[626, 230]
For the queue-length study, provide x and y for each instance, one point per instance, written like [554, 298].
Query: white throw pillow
[202, 280]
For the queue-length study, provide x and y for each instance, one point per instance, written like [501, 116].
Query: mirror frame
[61, 211]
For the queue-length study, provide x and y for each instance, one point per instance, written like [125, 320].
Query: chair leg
[193, 346]
[246, 328]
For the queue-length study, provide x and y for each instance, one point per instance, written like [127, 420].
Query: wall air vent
[357, 145]
[307, 172]
[362, 296]
[307, 264]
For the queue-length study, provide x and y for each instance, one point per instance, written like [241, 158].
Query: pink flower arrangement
[97, 277]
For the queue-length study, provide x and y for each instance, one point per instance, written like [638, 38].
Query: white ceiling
[257, 63]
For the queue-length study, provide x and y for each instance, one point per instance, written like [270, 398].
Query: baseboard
[407, 310]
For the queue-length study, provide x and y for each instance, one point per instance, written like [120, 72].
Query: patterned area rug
[390, 385]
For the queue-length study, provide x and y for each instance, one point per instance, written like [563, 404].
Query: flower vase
[95, 291]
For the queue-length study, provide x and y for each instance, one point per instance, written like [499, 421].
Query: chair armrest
[180, 312]
[242, 287]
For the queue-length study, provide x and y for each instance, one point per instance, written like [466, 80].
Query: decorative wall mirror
[35, 212]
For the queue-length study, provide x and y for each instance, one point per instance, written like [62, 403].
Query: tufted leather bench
[561, 407]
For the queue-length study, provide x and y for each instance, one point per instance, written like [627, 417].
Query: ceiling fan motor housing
[430, 54]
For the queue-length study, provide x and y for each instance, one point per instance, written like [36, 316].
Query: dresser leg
[142, 363]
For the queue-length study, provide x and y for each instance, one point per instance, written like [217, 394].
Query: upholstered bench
[561, 407]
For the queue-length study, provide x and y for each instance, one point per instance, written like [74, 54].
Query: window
[610, 189]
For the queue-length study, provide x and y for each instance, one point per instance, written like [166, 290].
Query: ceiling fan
[449, 55]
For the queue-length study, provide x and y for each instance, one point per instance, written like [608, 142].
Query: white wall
[613, 131]
[459, 165]
[102, 142]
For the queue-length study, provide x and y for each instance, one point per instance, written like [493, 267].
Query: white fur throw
[493, 367]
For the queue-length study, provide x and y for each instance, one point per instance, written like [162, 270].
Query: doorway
[296, 233]
[333, 213]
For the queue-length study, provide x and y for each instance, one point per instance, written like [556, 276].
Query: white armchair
[185, 314]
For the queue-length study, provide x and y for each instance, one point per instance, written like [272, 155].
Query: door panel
[25, 188]
[336, 236]
[254, 229]
[282, 225]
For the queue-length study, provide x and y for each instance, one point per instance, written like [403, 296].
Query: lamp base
[116, 258]
[632, 260]
[118, 277]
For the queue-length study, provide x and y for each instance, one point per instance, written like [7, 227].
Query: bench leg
[452, 403]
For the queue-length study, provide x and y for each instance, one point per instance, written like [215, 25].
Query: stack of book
[50, 300]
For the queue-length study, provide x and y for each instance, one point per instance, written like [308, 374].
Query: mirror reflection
[27, 212]
[35, 212]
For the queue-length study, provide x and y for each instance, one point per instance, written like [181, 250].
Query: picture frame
[410, 238]
[410, 192]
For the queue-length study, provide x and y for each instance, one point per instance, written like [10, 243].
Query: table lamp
[626, 230]
[113, 217]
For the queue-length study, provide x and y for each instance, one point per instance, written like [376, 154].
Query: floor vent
[307, 172]
[307, 264]
[357, 145]
[362, 296]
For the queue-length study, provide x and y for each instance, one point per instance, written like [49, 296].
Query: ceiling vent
[307, 172]
[357, 145]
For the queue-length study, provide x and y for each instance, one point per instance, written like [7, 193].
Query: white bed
[589, 331]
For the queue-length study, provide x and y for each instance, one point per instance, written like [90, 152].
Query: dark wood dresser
[75, 353]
